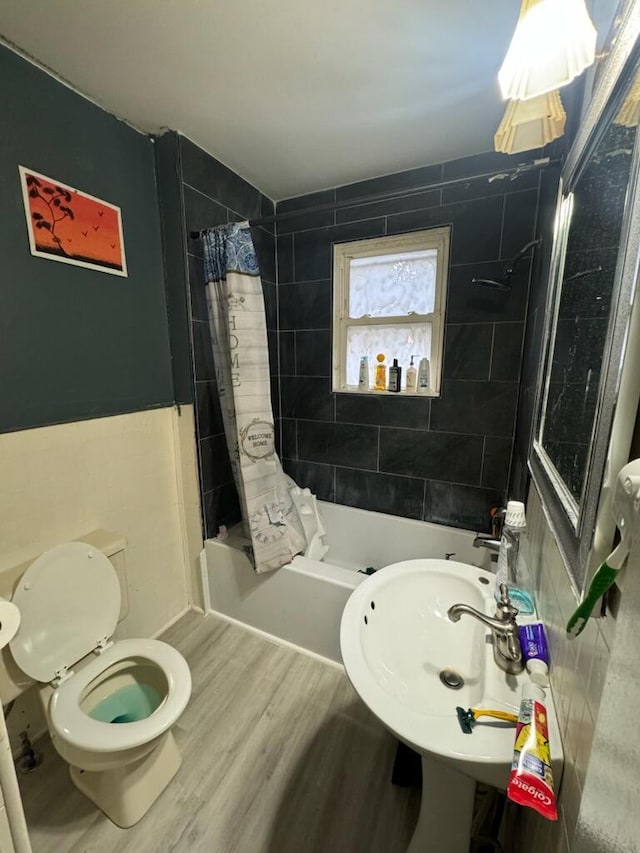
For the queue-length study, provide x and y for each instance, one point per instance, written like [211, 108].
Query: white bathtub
[302, 603]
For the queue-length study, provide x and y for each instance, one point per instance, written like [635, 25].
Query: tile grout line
[411, 210]
[293, 259]
[493, 340]
[392, 474]
[485, 323]
[424, 500]
[504, 208]
[422, 430]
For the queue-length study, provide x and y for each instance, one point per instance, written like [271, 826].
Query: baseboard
[175, 619]
[278, 641]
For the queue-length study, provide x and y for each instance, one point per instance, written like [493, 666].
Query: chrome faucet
[506, 643]
[487, 542]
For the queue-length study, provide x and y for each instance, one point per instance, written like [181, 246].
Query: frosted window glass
[401, 342]
[393, 285]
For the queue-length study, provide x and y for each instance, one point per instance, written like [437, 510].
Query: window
[388, 297]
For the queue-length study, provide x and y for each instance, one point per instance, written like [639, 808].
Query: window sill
[371, 393]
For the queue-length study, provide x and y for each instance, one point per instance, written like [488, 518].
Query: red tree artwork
[52, 197]
[68, 225]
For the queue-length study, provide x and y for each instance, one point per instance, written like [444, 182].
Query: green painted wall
[77, 343]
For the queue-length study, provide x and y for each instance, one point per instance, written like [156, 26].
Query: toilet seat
[74, 725]
[69, 600]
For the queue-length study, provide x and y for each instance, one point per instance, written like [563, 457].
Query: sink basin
[397, 642]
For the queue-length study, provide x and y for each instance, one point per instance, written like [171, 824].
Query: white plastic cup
[514, 516]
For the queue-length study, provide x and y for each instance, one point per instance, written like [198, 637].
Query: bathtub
[301, 604]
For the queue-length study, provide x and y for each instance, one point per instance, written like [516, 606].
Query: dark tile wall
[211, 195]
[447, 459]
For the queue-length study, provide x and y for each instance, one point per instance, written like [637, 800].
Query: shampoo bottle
[424, 379]
[395, 376]
[380, 375]
[412, 376]
[363, 377]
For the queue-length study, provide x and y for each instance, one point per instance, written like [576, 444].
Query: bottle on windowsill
[395, 376]
[412, 376]
[363, 377]
[380, 374]
[424, 377]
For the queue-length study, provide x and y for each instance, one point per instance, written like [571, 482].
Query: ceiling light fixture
[530, 124]
[554, 41]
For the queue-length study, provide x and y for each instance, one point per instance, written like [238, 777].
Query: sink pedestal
[446, 810]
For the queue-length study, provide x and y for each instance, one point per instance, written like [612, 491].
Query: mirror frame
[574, 524]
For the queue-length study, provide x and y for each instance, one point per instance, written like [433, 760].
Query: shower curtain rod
[512, 173]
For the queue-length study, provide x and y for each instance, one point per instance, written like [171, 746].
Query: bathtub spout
[487, 542]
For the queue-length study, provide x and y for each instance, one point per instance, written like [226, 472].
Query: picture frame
[71, 226]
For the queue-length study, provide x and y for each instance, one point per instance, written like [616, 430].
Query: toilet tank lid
[69, 600]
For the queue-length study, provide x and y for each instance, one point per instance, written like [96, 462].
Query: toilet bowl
[110, 715]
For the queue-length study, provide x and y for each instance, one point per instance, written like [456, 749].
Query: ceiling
[294, 96]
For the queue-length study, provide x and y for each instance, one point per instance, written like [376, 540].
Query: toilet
[109, 716]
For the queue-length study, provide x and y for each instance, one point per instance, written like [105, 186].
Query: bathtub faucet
[506, 643]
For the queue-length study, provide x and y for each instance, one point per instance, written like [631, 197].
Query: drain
[451, 679]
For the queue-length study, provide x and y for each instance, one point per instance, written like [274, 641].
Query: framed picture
[67, 225]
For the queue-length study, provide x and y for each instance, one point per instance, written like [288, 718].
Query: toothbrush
[602, 580]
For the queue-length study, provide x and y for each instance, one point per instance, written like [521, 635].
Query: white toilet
[111, 718]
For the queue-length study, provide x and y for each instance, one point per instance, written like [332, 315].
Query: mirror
[592, 280]
[592, 218]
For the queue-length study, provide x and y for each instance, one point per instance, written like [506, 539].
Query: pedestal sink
[412, 666]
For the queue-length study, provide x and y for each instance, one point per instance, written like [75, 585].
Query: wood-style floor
[279, 756]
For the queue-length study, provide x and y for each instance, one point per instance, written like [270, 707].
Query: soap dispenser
[412, 376]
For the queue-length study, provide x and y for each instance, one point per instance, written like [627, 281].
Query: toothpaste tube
[531, 781]
[535, 652]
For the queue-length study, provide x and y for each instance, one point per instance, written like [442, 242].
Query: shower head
[503, 284]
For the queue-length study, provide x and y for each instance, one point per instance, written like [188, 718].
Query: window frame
[426, 239]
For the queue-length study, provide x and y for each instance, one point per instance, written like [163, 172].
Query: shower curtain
[239, 339]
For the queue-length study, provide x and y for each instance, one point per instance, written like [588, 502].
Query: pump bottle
[412, 376]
